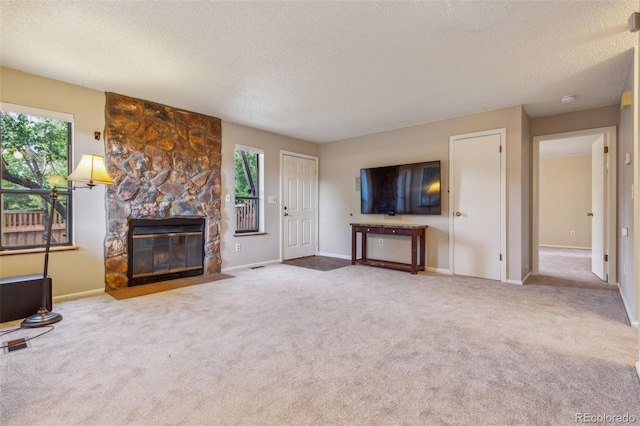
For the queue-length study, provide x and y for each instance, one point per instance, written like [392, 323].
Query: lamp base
[41, 318]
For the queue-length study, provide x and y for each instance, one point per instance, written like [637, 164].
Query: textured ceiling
[325, 71]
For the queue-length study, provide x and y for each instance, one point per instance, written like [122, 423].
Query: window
[35, 147]
[248, 189]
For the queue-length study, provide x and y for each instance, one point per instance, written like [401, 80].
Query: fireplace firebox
[164, 249]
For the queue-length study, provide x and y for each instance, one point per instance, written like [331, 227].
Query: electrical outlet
[238, 247]
[573, 233]
[380, 242]
[227, 198]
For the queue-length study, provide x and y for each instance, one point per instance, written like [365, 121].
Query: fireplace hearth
[164, 249]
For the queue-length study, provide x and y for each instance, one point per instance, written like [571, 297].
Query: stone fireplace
[165, 163]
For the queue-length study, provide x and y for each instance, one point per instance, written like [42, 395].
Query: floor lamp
[92, 171]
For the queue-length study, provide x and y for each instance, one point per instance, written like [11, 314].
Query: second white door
[476, 205]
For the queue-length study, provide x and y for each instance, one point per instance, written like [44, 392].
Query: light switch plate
[271, 199]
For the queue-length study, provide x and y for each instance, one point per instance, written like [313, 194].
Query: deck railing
[26, 227]
[246, 214]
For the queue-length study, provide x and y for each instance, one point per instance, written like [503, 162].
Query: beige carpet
[284, 345]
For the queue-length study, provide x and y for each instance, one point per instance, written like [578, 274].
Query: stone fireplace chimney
[166, 164]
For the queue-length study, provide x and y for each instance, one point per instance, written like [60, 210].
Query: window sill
[37, 250]
[249, 234]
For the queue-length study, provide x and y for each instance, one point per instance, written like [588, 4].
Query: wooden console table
[413, 231]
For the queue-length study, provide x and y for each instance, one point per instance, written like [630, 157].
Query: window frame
[260, 191]
[63, 191]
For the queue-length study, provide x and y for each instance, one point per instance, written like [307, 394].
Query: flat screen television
[402, 189]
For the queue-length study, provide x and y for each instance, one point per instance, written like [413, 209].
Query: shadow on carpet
[319, 263]
[144, 289]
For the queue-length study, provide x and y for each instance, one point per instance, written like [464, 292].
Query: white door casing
[477, 208]
[299, 206]
[598, 212]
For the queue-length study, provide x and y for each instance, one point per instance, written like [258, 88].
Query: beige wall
[340, 201]
[573, 121]
[255, 249]
[80, 270]
[565, 200]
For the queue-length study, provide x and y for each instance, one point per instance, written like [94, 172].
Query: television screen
[403, 189]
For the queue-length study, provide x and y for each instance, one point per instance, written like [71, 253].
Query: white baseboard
[566, 247]
[249, 266]
[437, 270]
[339, 256]
[627, 309]
[79, 295]
[521, 282]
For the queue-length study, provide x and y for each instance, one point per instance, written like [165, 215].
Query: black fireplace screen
[165, 249]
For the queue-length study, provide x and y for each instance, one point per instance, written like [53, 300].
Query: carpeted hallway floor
[284, 345]
[569, 268]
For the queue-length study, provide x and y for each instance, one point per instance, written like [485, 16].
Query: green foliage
[21, 202]
[242, 185]
[34, 156]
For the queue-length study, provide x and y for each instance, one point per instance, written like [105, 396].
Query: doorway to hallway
[588, 221]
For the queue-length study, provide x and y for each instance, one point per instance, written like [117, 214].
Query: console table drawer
[385, 231]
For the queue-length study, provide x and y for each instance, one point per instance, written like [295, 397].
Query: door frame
[503, 196]
[280, 195]
[610, 137]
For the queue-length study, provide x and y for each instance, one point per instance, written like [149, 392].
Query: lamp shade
[91, 170]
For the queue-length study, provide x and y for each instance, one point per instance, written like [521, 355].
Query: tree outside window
[35, 158]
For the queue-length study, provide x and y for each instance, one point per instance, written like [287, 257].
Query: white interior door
[598, 212]
[299, 206]
[475, 205]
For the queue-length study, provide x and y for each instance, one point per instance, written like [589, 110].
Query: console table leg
[364, 246]
[423, 251]
[354, 237]
[414, 254]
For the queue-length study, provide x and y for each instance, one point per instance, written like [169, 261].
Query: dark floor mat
[319, 263]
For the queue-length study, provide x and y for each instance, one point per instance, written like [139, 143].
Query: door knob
[458, 214]
[286, 214]
[589, 214]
